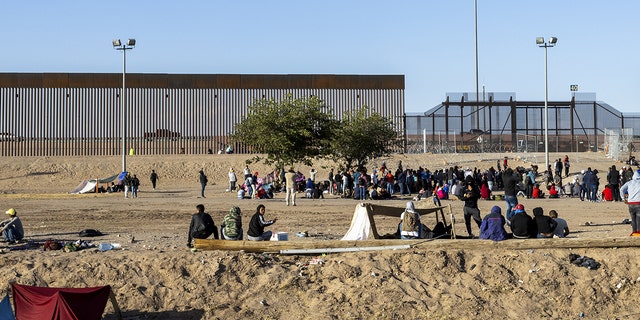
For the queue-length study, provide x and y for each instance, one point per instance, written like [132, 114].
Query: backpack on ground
[410, 221]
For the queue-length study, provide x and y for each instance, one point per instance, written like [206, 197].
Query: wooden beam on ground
[439, 244]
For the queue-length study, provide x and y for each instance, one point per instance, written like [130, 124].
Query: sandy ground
[155, 276]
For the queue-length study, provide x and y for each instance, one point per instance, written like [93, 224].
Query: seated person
[317, 192]
[607, 193]
[410, 226]
[562, 228]
[373, 192]
[537, 193]
[553, 191]
[440, 193]
[492, 227]
[485, 193]
[241, 193]
[308, 190]
[544, 224]
[522, 225]
[446, 188]
[457, 189]
[262, 194]
[231, 228]
[382, 193]
[567, 190]
[12, 230]
[421, 194]
[202, 226]
[256, 225]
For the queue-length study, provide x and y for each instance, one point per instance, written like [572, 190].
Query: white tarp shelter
[363, 225]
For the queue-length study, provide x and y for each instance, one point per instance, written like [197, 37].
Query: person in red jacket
[607, 193]
[537, 193]
[553, 191]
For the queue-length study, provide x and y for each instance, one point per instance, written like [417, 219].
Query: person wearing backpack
[410, 226]
[231, 228]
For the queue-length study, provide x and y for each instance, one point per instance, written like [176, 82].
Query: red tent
[59, 303]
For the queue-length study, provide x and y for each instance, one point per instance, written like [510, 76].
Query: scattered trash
[534, 270]
[316, 260]
[302, 234]
[108, 246]
[264, 302]
[584, 261]
[626, 221]
[588, 223]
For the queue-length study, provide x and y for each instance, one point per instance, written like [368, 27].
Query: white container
[280, 236]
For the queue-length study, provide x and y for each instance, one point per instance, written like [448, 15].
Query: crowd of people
[465, 184]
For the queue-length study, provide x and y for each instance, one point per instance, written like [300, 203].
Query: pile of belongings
[584, 261]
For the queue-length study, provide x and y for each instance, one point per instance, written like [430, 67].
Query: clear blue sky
[430, 42]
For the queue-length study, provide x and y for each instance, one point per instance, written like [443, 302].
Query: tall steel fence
[39, 119]
[516, 126]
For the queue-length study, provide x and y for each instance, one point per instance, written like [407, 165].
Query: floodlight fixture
[118, 45]
[542, 44]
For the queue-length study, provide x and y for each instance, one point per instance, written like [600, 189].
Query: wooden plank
[439, 244]
[276, 246]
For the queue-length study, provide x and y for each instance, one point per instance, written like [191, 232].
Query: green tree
[362, 134]
[288, 131]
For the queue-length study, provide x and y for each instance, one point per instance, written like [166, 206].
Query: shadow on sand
[174, 315]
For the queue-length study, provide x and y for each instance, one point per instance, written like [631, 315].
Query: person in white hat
[12, 230]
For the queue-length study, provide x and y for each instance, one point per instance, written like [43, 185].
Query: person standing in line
[290, 182]
[127, 185]
[154, 179]
[312, 174]
[232, 179]
[201, 227]
[470, 197]
[135, 184]
[510, 180]
[631, 192]
[331, 190]
[567, 165]
[256, 225]
[12, 230]
[203, 182]
[613, 177]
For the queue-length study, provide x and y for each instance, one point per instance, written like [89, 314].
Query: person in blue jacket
[492, 227]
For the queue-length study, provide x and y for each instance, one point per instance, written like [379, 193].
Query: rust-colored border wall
[201, 81]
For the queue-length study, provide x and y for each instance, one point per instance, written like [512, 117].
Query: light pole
[118, 45]
[544, 44]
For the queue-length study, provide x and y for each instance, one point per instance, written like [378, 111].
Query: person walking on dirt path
[631, 192]
[154, 179]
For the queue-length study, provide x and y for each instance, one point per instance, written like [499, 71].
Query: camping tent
[60, 303]
[88, 186]
[363, 224]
